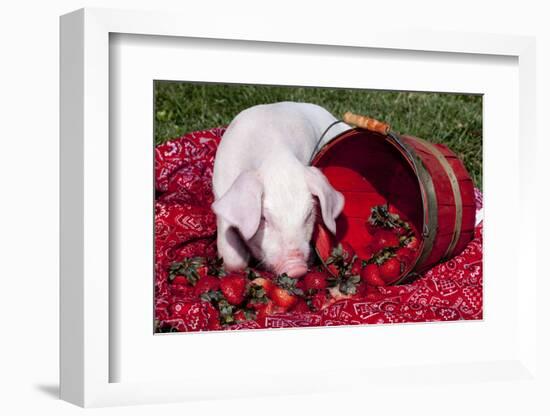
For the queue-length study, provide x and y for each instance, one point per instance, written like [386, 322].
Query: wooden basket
[425, 183]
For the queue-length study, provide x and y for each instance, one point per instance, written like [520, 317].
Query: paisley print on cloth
[185, 226]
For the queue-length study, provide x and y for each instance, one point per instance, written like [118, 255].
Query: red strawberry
[205, 284]
[362, 288]
[190, 268]
[390, 270]
[213, 318]
[385, 238]
[366, 252]
[233, 287]
[371, 275]
[347, 248]
[400, 231]
[405, 255]
[283, 298]
[413, 243]
[264, 310]
[314, 281]
[239, 316]
[180, 280]
[202, 270]
[301, 307]
[371, 228]
[214, 324]
[267, 284]
[318, 301]
[392, 209]
[356, 267]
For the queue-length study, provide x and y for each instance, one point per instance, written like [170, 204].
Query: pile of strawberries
[395, 244]
[236, 297]
[390, 253]
[392, 249]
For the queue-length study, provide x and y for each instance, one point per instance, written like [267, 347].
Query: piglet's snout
[294, 264]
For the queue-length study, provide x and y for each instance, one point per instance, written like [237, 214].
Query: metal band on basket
[429, 201]
[455, 186]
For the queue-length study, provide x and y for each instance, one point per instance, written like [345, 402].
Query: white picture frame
[86, 305]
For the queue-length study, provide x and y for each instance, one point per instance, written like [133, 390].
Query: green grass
[452, 119]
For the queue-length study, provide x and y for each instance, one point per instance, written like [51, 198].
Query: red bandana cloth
[185, 226]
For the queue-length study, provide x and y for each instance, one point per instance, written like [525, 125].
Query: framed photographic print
[199, 238]
[408, 205]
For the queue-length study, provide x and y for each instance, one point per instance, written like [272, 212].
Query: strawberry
[301, 307]
[239, 316]
[371, 228]
[283, 298]
[315, 281]
[347, 250]
[412, 243]
[226, 311]
[362, 288]
[356, 267]
[233, 287]
[405, 255]
[318, 301]
[384, 238]
[180, 280]
[390, 270]
[392, 209]
[215, 267]
[264, 310]
[300, 285]
[389, 218]
[371, 275]
[285, 293]
[213, 318]
[214, 324]
[348, 284]
[267, 284]
[341, 258]
[202, 270]
[399, 231]
[191, 268]
[206, 284]
[366, 252]
[256, 295]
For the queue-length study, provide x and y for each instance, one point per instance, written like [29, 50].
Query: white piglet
[266, 192]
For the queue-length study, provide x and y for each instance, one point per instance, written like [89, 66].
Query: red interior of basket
[369, 171]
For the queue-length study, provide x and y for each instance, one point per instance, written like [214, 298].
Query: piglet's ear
[331, 201]
[241, 205]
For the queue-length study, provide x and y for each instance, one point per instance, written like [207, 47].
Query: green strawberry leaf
[187, 268]
[215, 267]
[249, 314]
[256, 293]
[226, 312]
[212, 296]
[251, 274]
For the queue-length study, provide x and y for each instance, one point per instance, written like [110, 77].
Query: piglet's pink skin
[266, 195]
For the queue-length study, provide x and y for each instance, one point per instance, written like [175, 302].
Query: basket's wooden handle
[366, 123]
